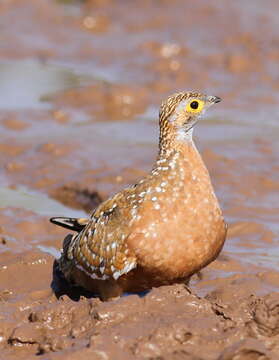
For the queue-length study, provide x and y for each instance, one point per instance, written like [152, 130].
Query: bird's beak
[215, 99]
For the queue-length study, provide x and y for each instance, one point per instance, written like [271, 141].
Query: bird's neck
[182, 163]
[178, 141]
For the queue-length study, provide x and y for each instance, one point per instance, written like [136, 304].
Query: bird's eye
[195, 106]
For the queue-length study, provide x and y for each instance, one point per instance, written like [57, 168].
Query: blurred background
[80, 87]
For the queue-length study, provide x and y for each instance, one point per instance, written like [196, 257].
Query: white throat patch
[183, 135]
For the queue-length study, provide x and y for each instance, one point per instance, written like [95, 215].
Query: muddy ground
[80, 86]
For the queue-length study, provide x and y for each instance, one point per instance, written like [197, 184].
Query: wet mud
[81, 82]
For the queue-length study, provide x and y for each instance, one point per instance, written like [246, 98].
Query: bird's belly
[180, 244]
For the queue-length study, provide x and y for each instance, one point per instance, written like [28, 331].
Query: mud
[81, 82]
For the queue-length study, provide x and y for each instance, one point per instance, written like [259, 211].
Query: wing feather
[101, 249]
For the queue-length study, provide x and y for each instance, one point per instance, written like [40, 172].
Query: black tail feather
[75, 224]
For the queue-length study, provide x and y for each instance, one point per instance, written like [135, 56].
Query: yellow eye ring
[195, 106]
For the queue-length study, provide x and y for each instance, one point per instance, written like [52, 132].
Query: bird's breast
[179, 226]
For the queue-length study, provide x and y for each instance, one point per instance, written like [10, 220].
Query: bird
[159, 231]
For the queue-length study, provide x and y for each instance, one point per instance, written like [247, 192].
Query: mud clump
[50, 328]
[245, 350]
[169, 322]
[266, 316]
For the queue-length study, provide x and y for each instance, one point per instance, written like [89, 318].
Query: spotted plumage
[161, 230]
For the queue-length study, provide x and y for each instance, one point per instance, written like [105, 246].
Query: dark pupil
[194, 105]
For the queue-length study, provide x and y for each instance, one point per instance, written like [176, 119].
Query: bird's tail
[75, 224]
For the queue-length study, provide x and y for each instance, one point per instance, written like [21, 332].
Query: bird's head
[180, 112]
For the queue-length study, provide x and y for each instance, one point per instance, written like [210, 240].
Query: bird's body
[160, 231]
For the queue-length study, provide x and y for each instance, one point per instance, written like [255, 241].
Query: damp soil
[81, 82]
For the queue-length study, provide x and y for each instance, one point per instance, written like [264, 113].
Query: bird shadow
[60, 286]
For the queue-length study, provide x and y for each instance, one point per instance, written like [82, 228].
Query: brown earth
[81, 82]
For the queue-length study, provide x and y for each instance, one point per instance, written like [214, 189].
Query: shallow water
[26, 84]
[36, 202]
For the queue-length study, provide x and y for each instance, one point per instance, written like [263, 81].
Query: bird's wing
[75, 224]
[101, 249]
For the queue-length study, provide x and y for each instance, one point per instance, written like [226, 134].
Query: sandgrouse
[159, 231]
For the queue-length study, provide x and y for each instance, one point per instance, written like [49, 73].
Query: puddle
[263, 256]
[36, 202]
[27, 84]
[49, 250]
